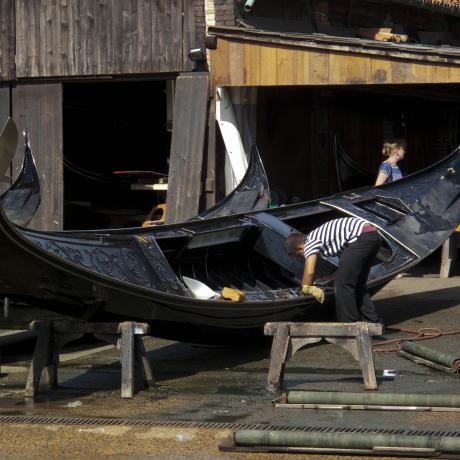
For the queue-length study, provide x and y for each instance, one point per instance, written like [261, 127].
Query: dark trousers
[352, 301]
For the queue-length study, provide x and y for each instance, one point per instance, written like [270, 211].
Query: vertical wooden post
[449, 255]
[278, 357]
[144, 363]
[127, 360]
[40, 359]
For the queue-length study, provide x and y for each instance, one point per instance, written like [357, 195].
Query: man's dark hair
[293, 241]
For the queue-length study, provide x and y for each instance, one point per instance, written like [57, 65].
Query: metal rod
[6, 307]
[367, 407]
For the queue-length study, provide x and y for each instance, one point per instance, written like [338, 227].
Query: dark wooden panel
[7, 32]
[186, 158]
[100, 37]
[39, 109]
[4, 114]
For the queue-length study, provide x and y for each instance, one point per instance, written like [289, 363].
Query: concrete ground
[216, 385]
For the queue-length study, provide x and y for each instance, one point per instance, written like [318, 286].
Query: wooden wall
[99, 37]
[38, 107]
[4, 114]
[7, 39]
[238, 63]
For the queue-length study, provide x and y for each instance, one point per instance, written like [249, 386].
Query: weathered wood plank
[38, 107]
[219, 64]
[101, 24]
[301, 69]
[360, 70]
[252, 64]
[401, 72]
[319, 68]
[186, 158]
[339, 69]
[268, 66]
[381, 71]
[236, 63]
[4, 114]
[7, 40]
[99, 37]
[130, 36]
[442, 74]
[144, 43]
[423, 73]
[284, 66]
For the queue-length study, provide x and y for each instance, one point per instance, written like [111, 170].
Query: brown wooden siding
[7, 40]
[4, 114]
[238, 63]
[99, 37]
[39, 109]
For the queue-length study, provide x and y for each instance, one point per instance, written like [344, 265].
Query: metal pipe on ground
[372, 399]
[266, 438]
[428, 354]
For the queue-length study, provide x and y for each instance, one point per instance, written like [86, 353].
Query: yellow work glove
[314, 291]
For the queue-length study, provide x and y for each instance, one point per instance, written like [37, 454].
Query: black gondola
[141, 274]
[20, 202]
[251, 194]
[350, 174]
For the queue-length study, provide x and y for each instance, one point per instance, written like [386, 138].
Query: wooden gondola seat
[156, 216]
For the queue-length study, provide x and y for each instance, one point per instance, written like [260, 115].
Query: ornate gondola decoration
[21, 201]
[138, 274]
[251, 194]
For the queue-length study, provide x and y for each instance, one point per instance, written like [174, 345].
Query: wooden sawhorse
[53, 335]
[291, 337]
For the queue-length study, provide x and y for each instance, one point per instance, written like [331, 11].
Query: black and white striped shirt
[331, 238]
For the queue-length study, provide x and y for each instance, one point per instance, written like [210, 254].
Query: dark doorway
[116, 140]
[297, 128]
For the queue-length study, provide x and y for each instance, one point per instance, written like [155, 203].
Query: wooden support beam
[52, 335]
[291, 337]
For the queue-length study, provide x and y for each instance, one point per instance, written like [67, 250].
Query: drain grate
[77, 421]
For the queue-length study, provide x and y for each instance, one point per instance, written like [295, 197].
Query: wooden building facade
[50, 47]
[359, 71]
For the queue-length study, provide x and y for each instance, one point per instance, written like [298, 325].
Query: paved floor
[226, 385]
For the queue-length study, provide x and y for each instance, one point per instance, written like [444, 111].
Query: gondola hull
[138, 273]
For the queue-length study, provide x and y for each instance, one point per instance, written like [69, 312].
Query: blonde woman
[394, 150]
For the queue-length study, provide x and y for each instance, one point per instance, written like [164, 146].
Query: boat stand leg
[40, 359]
[127, 360]
[449, 255]
[143, 362]
[278, 357]
[366, 356]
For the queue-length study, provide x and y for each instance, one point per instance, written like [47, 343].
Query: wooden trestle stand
[53, 335]
[291, 337]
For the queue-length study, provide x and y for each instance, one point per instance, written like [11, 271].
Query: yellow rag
[314, 291]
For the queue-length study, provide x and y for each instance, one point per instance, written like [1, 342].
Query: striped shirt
[331, 238]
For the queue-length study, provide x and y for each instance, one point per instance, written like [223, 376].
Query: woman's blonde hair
[391, 145]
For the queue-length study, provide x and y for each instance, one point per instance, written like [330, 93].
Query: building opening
[116, 149]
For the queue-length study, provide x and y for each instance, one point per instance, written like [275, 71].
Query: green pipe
[430, 354]
[248, 5]
[372, 399]
[253, 438]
